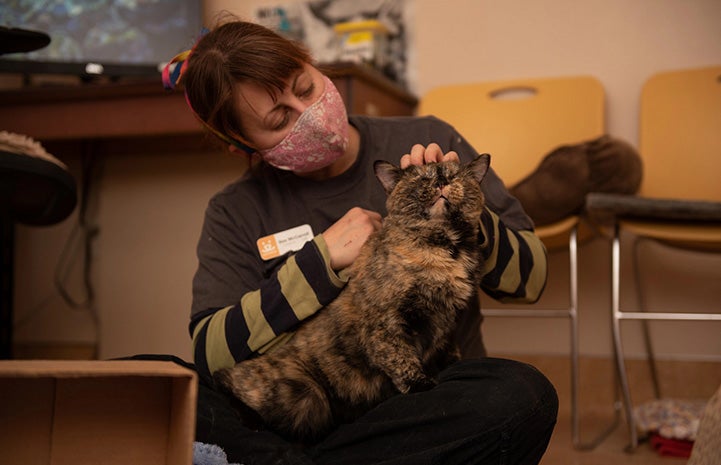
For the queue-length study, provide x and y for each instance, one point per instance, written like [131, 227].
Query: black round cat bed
[35, 189]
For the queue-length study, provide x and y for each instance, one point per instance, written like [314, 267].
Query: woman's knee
[504, 387]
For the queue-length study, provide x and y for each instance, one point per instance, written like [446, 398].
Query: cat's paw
[420, 384]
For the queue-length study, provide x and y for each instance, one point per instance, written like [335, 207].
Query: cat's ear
[479, 166]
[387, 174]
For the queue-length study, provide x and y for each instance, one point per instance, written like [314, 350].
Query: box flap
[91, 368]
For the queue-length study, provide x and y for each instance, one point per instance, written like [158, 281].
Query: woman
[274, 245]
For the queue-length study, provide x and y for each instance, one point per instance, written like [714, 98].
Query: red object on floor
[671, 447]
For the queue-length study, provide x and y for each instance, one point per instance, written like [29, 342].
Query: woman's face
[265, 120]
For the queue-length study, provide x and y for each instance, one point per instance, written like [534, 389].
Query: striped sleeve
[263, 318]
[514, 261]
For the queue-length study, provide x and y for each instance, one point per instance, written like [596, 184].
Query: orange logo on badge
[268, 247]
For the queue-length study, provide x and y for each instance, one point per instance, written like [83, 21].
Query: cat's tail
[284, 395]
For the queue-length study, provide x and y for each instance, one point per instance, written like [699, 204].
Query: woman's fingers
[420, 155]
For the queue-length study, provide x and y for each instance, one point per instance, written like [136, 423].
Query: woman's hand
[346, 236]
[421, 155]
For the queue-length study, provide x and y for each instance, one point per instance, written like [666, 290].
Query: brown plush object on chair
[557, 188]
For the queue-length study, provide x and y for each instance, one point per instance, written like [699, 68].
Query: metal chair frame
[618, 316]
[678, 205]
[572, 314]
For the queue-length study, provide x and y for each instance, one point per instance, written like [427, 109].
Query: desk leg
[7, 240]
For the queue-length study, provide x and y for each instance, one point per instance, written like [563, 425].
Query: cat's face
[435, 190]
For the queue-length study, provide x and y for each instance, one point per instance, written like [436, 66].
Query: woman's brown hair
[236, 52]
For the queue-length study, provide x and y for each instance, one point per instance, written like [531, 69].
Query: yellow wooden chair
[519, 122]
[679, 202]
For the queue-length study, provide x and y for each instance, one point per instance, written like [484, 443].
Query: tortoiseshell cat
[390, 330]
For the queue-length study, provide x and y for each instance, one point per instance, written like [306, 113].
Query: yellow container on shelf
[363, 42]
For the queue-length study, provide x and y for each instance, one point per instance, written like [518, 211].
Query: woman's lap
[482, 411]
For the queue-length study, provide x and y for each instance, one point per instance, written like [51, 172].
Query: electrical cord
[78, 246]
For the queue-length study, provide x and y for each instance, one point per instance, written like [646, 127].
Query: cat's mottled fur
[390, 330]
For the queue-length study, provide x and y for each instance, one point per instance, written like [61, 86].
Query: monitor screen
[102, 37]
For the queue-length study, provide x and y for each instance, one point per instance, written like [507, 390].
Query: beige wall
[151, 205]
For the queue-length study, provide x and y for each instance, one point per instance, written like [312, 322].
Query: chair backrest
[680, 134]
[520, 121]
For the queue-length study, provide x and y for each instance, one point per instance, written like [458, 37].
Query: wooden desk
[144, 110]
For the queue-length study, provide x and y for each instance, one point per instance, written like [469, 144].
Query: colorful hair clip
[174, 69]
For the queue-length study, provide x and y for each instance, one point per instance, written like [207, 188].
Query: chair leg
[617, 345]
[573, 316]
[575, 355]
[648, 344]
[7, 243]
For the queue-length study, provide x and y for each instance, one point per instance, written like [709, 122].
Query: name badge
[283, 242]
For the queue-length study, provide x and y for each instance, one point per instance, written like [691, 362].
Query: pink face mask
[318, 138]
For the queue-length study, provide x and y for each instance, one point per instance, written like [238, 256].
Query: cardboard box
[96, 412]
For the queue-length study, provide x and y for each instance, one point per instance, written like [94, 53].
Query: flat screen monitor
[115, 38]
